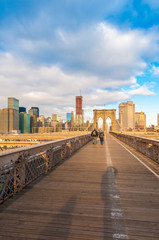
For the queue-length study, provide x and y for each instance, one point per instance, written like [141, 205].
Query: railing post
[156, 153]
[49, 159]
[65, 151]
[19, 174]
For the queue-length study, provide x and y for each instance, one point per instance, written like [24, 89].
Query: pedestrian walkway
[102, 192]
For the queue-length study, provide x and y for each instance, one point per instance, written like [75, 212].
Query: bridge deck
[101, 192]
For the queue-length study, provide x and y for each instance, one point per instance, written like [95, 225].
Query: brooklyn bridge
[73, 189]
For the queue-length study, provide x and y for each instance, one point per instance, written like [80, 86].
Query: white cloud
[41, 82]
[134, 85]
[101, 97]
[155, 70]
[95, 50]
[102, 49]
[143, 91]
[53, 89]
[92, 59]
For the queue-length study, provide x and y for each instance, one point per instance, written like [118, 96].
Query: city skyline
[109, 52]
[64, 116]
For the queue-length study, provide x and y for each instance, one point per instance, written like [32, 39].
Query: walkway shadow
[60, 225]
[113, 220]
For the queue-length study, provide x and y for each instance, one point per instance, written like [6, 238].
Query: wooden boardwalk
[102, 192]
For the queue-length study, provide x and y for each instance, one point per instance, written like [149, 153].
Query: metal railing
[148, 147]
[21, 166]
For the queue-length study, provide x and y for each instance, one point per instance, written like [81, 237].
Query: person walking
[101, 137]
[94, 134]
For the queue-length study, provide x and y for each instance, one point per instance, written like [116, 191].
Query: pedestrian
[101, 137]
[94, 134]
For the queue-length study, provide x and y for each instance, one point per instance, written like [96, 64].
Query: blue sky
[50, 50]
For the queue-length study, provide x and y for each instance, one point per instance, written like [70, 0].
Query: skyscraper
[127, 115]
[78, 105]
[24, 122]
[68, 117]
[9, 117]
[13, 114]
[54, 117]
[34, 114]
[13, 103]
[158, 119]
[33, 124]
[79, 117]
[72, 119]
[59, 119]
[34, 111]
[4, 121]
[41, 121]
[140, 120]
[22, 109]
[9, 120]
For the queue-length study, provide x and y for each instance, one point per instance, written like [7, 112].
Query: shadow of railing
[60, 225]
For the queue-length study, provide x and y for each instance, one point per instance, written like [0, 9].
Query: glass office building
[68, 117]
[24, 122]
[13, 103]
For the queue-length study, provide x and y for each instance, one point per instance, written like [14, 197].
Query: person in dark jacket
[101, 137]
[94, 134]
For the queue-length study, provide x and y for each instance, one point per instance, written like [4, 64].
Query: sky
[52, 50]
